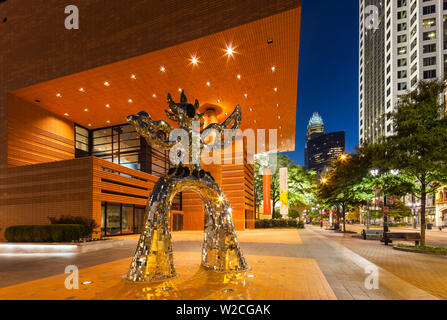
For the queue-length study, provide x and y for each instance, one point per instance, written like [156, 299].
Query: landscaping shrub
[46, 233]
[89, 224]
[276, 223]
[300, 225]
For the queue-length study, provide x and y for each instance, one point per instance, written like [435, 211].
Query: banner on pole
[266, 179]
[284, 191]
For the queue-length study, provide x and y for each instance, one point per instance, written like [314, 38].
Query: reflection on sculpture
[153, 258]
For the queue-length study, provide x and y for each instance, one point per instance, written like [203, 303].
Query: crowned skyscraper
[322, 148]
[315, 128]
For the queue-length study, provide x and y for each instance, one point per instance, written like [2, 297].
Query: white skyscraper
[409, 44]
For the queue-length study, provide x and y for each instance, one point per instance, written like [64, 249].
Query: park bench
[407, 236]
[372, 233]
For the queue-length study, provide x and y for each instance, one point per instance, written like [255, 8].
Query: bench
[372, 233]
[407, 236]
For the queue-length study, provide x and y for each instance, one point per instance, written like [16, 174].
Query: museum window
[121, 145]
[121, 218]
[82, 138]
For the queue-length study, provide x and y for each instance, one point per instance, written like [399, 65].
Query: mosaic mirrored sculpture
[153, 260]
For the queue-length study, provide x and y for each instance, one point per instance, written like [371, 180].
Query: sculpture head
[184, 113]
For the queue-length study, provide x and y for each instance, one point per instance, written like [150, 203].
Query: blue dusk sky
[328, 70]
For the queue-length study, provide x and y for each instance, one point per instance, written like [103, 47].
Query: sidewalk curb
[403, 289]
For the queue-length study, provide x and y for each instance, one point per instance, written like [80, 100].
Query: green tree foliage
[344, 187]
[419, 146]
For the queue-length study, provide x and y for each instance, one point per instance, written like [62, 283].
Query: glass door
[139, 219]
[113, 221]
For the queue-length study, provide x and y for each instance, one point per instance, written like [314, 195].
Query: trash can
[429, 226]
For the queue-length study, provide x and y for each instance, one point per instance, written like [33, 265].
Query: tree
[302, 187]
[344, 187]
[419, 144]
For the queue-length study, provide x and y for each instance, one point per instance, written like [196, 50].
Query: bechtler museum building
[66, 148]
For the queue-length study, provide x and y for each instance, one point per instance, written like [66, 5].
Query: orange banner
[266, 178]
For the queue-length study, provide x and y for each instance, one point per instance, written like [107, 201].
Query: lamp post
[367, 215]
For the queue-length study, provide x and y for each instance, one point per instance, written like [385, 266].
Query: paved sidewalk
[286, 264]
[424, 271]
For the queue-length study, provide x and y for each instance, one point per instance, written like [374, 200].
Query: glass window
[427, 23]
[429, 35]
[113, 218]
[127, 219]
[81, 141]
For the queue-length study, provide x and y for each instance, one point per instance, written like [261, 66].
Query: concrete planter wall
[32, 248]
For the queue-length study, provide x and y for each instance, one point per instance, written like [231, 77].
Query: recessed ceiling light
[82, 89]
[133, 77]
[239, 76]
[218, 100]
[194, 60]
[162, 69]
[230, 50]
[130, 100]
[89, 124]
[277, 105]
[275, 89]
[273, 69]
[87, 282]
[254, 121]
[246, 95]
[108, 121]
[154, 96]
[106, 83]
[226, 113]
[280, 127]
[279, 117]
[107, 105]
[208, 84]
[66, 114]
[251, 109]
[86, 110]
[58, 95]
[179, 89]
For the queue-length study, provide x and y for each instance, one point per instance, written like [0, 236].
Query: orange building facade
[65, 148]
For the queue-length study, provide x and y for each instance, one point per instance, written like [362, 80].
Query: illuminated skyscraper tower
[315, 129]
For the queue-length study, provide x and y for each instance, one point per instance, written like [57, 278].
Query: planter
[436, 253]
[48, 248]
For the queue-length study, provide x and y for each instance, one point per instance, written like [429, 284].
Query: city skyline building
[322, 148]
[407, 46]
[315, 128]
[325, 149]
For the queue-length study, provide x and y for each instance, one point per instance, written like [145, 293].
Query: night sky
[328, 70]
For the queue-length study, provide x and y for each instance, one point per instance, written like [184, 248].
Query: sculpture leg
[221, 251]
[153, 258]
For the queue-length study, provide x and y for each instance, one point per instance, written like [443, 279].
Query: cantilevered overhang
[261, 75]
